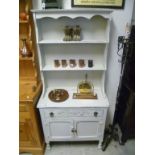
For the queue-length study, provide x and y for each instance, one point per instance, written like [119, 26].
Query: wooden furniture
[30, 131]
[73, 119]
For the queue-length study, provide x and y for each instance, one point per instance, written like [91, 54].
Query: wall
[119, 20]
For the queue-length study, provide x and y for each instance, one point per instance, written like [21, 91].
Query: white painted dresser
[73, 119]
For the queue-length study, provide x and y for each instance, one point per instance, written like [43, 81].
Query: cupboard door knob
[73, 130]
[52, 114]
[95, 114]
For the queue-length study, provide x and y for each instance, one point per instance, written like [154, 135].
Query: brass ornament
[58, 95]
[85, 90]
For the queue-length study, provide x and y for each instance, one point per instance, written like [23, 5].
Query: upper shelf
[94, 30]
[72, 13]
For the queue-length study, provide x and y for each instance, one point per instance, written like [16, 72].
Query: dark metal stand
[123, 122]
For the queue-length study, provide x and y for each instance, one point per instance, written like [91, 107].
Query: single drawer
[23, 116]
[78, 112]
[23, 108]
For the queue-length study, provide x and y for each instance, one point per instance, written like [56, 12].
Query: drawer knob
[95, 114]
[73, 130]
[52, 114]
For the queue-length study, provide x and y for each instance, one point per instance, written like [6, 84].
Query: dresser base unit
[73, 124]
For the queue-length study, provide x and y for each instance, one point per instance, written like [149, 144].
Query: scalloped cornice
[72, 13]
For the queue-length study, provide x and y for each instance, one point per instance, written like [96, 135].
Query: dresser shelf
[51, 68]
[73, 42]
[72, 103]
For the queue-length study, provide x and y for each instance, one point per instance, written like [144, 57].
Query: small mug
[90, 63]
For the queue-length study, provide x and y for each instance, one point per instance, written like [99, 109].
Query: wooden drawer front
[23, 116]
[78, 112]
[23, 108]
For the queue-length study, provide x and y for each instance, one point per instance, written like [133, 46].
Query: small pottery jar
[25, 50]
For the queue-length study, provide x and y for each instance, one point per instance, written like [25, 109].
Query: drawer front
[23, 108]
[78, 112]
[23, 116]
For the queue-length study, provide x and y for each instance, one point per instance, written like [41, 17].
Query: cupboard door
[60, 130]
[26, 136]
[23, 136]
[87, 129]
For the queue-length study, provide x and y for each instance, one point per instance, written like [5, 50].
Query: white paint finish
[73, 112]
[87, 129]
[71, 119]
[92, 29]
[59, 42]
[96, 67]
[102, 100]
[45, 125]
[73, 124]
[60, 129]
[119, 20]
[72, 13]
[70, 79]
[46, 30]
[95, 52]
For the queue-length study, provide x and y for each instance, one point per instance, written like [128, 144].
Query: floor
[90, 149]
